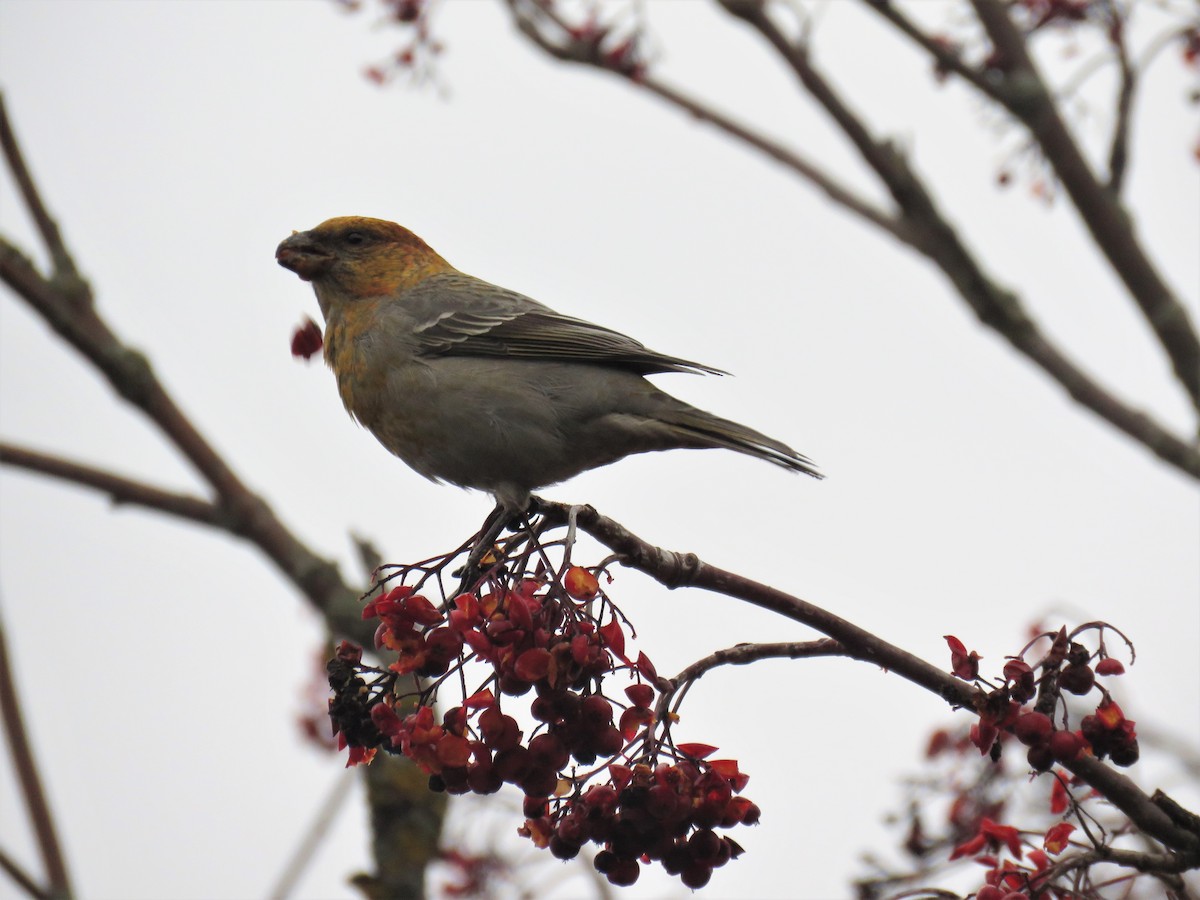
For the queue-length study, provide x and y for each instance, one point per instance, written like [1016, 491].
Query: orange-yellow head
[354, 258]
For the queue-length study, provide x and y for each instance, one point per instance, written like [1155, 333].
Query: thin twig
[922, 225]
[30, 781]
[673, 569]
[303, 855]
[64, 265]
[996, 306]
[528, 13]
[130, 374]
[740, 655]
[22, 878]
[1024, 94]
[1118, 152]
[65, 302]
[944, 54]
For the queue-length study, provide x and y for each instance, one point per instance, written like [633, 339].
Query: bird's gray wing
[458, 315]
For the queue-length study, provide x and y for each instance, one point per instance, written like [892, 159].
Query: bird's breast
[352, 350]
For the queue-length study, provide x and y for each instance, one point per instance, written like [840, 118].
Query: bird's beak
[304, 255]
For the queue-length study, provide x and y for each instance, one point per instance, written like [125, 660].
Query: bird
[482, 387]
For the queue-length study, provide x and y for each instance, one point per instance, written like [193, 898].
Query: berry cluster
[648, 800]
[1066, 667]
[663, 813]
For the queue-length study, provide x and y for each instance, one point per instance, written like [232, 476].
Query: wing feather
[490, 321]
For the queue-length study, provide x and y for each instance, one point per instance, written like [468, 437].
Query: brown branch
[64, 266]
[832, 189]
[22, 878]
[29, 779]
[1165, 866]
[65, 302]
[1025, 95]
[738, 655]
[121, 490]
[1118, 151]
[130, 374]
[946, 57]
[744, 654]
[921, 226]
[69, 309]
[316, 832]
[996, 306]
[531, 15]
[673, 570]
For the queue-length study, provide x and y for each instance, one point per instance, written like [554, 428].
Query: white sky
[177, 143]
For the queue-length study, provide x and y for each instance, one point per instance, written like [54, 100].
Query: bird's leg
[497, 520]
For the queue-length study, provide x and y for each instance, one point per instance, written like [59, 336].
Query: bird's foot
[485, 551]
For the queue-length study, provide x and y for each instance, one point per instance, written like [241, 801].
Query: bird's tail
[707, 430]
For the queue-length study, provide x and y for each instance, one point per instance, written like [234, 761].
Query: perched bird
[482, 387]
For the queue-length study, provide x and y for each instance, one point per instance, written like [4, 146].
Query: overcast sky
[162, 665]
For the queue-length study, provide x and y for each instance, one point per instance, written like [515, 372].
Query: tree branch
[31, 783]
[944, 55]
[121, 490]
[22, 878]
[673, 569]
[66, 303]
[738, 655]
[921, 225]
[64, 265]
[1118, 151]
[996, 306]
[531, 17]
[130, 374]
[1025, 95]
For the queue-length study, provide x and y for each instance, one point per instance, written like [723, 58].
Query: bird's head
[354, 257]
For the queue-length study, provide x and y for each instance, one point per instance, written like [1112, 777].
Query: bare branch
[64, 266]
[316, 832]
[1118, 152]
[65, 302]
[121, 490]
[739, 655]
[1024, 94]
[744, 654]
[673, 569]
[921, 225]
[996, 306]
[22, 878]
[947, 58]
[130, 374]
[532, 18]
[29, 779]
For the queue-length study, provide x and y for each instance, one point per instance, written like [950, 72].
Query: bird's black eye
[355, 238]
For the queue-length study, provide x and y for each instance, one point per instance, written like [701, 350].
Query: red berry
[623, 872]
[696, 875]
[1041, 757]
[1078, 679]
[1065, 745]
[704, 846]
[539, 781]
[596, 711]
[512, 764]
[1125, 754]
[483, 779]
[581, 584]
[534, 807]
[1033, 728]
[563, 849]
[548, 752]
[641, 695]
